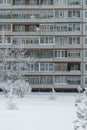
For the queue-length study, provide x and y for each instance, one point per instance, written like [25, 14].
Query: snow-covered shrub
[21, 87]
[52, 95]
[18, 87]
[81, 113]
[11, 88]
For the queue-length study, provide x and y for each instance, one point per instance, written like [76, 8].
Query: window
[6, 39]
[85, 2]
[78, 40]
[74, 40]
[5, 14]
[70, 27]
[33, 2]
[85, 53]
[74, 13]
[46, 40]
[85, 80]
[60, 2]
[73, 54]
[32, 66]
[60, 66]
[39, 53]
[85, 27]
[26, 40]
[46, 80]
[5, 2]
[59, 14]
[67, 27]
[19, 28]
[73, 80]
[47, 28]
[73, 27]
[46, 67]
[34, 80]
[60, 53]
[61, 40]
[86, 67]
[85, 40]
[1, 1]
[58, 40]
[1, 66]
[45, 53]
[5, 27]
[86, 14]
[74, 2]
[77, 27]
[73, 66]
[46, 2]
[46, 14]
[60, 79]
[60, 27]
[19, 2]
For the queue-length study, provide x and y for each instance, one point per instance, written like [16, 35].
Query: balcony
[30, 46]
[40, 20]
[67, 59]
[66, 86]
[66, 46]
[41, 46]
[67, 20]
[72, 72]
[75, 33]
[58, 86]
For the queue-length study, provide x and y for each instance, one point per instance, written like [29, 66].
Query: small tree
[13, 81]
[21, 87]
[78, 97]
[52, 94]
[18, 87]
[81, 120]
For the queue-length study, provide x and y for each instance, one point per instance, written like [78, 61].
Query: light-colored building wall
[55, 33]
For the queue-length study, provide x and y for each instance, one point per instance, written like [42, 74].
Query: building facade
[54, 32]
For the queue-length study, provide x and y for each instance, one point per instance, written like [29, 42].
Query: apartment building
[54, 32]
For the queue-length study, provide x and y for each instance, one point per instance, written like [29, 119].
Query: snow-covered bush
[18, 87]
[52, 95]
[11, 88]
[21, 87]
[80, 123]
[78, 96]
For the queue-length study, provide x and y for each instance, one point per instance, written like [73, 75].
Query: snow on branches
[81, 111]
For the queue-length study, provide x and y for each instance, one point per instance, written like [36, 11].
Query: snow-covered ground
[38, 112]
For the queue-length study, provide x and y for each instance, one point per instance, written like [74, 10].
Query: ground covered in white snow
[38, 112]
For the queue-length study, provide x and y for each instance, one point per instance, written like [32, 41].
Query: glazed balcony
[67, 59]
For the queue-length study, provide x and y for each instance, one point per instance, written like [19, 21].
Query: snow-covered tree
[14, 88]
[80, 123]
[12, 65]
[52, 94]
[78, 96]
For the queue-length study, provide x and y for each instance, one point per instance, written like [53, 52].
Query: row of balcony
[45, 29]
[55, 59]
[53, 80]
[38, 42]
[40, 2]
[60, 33]
[41, 46]
[60, 73]
[34, 15]
[56, 86]
[40, 67]
[52, 20]
[39, 53]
